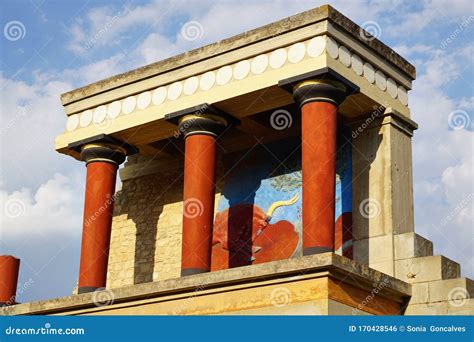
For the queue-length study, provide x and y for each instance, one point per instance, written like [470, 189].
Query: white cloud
[43, 228]
[31, 117]
[443, 160]
[413, 18]
[56, 206]
[108, 27]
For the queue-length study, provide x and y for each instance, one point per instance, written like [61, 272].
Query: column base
[192, 271]
[316, 250]
[87, 289]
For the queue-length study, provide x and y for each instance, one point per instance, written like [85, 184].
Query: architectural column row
[318, 98]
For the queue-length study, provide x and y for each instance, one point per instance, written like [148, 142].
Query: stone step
[429, 268]
[412, 245]
[442, 308]
[456, 291]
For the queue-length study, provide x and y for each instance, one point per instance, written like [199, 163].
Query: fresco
[343, 212]
[258, 216]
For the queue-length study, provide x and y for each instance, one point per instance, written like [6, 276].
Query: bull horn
[278, 204]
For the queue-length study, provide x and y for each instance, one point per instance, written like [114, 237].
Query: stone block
[465, 308]
[455, 290]
[423, 269]
[440, 308]
[419, 293]
[374, 250]
[386, 267]
[412, 245]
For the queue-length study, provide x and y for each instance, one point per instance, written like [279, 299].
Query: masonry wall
[146, 230]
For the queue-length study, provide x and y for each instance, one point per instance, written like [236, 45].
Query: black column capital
[203, 119]
[103, 148]
[323, 85]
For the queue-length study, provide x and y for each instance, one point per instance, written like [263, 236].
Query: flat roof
[325, 12]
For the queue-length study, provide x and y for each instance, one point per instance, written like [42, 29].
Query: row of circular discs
[102, 115]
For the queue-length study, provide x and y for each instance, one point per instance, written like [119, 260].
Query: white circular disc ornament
[332, 48]
[191, 85]
[357, 65]
[144, 100]
[392, 88]
[369, 72]
[174, 91]
[100, 114]
[380, 80]
[345, 56]
[207, 80]
[113, 109]
[241, 70]
[72, 122]
[224, 75]
[259, 64]
[296, 52]
[128, 105]
[159, 96]
[86, 118]
[277, 58]
[402, 95]
[316, 46]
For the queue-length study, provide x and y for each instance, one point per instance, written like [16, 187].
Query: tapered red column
[102, 162]
[318, 164]
[200, 134]
[9, 269]
[198, 203]
[318, 100]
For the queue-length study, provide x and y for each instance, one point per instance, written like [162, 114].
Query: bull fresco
[258, 216]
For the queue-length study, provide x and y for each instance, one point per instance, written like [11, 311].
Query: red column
[9, 269]
[318, 99]
[97, 223]
[102, 162]
[319, 129]
[198, 203]
[201, 126]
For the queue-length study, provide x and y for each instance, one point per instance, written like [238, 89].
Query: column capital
[204, 119]
[322, 85]
[103, 148]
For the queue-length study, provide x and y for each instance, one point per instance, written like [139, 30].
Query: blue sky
[63, 45]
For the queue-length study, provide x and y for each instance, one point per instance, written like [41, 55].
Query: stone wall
[146, 230]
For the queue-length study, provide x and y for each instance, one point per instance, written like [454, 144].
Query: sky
[50, 47]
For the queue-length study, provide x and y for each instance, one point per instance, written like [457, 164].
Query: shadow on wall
[143, 202]
[364, 208]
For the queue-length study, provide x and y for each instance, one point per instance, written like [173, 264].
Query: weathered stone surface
[419, 293]
[451, 290]
[146, 230]
[373, 250]
[344, 270]
[321, 13]
[412, 245]
[441, 308]
[431, 268]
